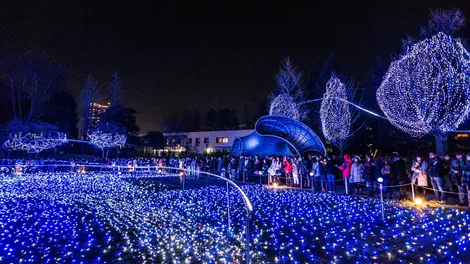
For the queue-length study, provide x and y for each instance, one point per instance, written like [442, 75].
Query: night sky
[174, 56]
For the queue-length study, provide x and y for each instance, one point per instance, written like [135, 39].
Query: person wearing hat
[357, 172]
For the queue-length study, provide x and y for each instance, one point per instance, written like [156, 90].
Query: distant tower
[96, 113]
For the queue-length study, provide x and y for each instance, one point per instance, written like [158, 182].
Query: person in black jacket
[448, 186]
[399, 171]
[437, 181]
[240, 168]
[369, 169]
[330, 169]
[465, 180]
[456, 167]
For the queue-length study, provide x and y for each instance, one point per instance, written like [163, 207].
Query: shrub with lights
[105, 141]
[34, 143]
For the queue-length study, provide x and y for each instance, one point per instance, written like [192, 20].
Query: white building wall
[208, 140]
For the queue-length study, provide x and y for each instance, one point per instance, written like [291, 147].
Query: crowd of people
[361, 175]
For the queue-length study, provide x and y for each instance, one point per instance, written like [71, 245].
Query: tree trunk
[341, 148]
[442, 143]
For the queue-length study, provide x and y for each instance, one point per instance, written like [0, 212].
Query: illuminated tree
[33, 143]
[289, 94]
[108, 135]
[336, 114]
[284, 105]
[426, 91]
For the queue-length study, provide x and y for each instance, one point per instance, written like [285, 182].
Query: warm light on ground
[418, 201]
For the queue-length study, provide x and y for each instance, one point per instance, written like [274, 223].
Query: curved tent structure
[256, 144]
[270, 131]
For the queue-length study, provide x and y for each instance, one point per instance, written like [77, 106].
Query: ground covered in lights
[102, 218]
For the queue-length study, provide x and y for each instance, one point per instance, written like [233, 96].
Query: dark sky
[173, 56]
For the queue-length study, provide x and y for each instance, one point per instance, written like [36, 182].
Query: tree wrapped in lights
[426, 91]
[108, 135]
[290, 94]
[33, 143]
[335, 114]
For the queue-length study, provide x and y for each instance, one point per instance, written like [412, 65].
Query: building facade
[96, 112]
[203, 142]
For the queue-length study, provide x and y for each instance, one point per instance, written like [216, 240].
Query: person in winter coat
[465, 180]
[303, 170]
[456, 167]
[386, 172]
[357, 172]
[446, 172]
[248, 168]
[437, 181]
[419, 176]
[316, 172]
[274, 169]
[241, 167]
[369, 168]
[287, 163]
[265, 168]
[233, 168]
[399, 173]
[295, 172]
[346, 169]
[330, 174]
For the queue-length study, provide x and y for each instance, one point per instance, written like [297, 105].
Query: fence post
[346, 185]
[413, 191]
[382, 201]
[247, 247]
[313, 185]
[228, 207]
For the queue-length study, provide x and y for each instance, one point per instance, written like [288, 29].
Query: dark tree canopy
[61, 110]
[154, 139]
[123, 116]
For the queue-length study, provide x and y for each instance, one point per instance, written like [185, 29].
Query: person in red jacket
[287, 163]
[346, 168]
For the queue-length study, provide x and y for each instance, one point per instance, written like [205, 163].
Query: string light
[34, 143]
[334, 113]
[103, 217]
[426, 91]
[284, 105]
[288, 81]
[106, 140]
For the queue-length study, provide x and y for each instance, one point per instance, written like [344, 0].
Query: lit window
[221, 140]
